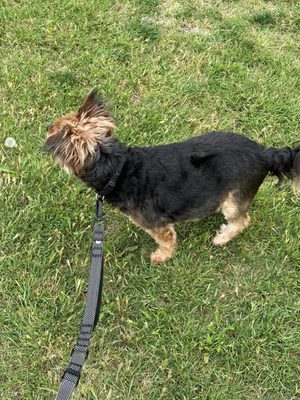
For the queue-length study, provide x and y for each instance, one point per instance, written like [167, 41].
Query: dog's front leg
[165, 237]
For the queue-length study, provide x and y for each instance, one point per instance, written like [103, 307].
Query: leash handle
[92, 307]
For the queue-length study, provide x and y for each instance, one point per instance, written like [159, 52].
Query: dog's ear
[93, 105]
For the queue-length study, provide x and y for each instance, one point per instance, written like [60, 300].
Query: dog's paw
[159, 257]
[220, 239]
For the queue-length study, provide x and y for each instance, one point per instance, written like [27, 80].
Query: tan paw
[159, 257]
[220, 239]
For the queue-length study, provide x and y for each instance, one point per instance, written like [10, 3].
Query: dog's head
[75, 137]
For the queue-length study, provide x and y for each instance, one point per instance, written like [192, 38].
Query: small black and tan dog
[159, 186]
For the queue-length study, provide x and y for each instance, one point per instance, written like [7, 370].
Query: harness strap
[79, 353]
[109, 187]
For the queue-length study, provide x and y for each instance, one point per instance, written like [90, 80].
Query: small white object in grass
[10, 142]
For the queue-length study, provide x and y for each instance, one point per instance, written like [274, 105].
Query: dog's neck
[105, 166]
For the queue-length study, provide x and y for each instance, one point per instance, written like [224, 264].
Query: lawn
[212, 323]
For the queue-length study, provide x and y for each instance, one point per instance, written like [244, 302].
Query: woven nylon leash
[79, 353]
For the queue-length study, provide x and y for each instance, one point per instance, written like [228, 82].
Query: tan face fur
[75, 136]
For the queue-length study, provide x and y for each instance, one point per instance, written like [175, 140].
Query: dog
[159, 186]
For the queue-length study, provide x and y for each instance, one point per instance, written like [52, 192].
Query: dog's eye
[49, 126]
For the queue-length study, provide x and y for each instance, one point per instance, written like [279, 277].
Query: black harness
[92, 178]
[109, 187]
[79, 353]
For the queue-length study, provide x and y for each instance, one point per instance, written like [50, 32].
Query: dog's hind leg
[236, 213]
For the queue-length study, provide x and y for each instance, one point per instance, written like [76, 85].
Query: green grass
[213, 323]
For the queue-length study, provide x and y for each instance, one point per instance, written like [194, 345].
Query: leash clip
[99, 210]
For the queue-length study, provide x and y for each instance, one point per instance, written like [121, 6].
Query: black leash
[79, 353]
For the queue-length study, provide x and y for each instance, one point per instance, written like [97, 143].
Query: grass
[213, 323]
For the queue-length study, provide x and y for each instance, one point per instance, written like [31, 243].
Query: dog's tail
[285, 163]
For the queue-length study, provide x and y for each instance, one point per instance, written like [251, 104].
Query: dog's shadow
[126, 239]
[194, 239]
[64, 78]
